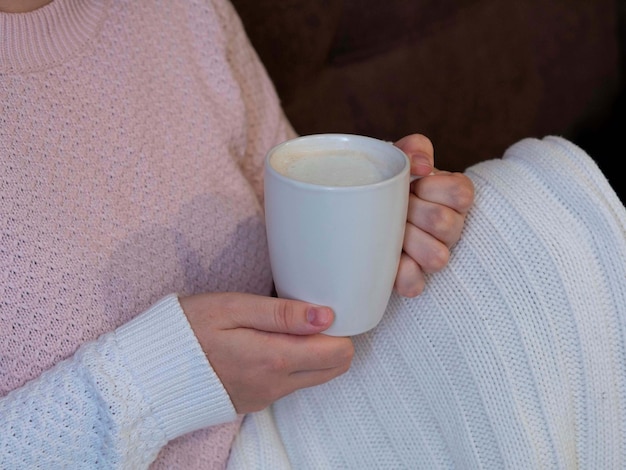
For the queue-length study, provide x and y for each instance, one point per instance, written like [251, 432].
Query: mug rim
[339, 137]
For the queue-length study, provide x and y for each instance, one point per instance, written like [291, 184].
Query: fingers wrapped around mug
[438, 207]
[263, 348]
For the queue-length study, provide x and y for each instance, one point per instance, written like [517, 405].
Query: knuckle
[464, 192]
[283, 315]
[346, 354]
[336, 354]
[438, 258]
[440, 219]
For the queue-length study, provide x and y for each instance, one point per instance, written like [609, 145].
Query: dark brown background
[473, 75]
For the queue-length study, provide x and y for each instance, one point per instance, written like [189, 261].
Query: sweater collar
[49, 35]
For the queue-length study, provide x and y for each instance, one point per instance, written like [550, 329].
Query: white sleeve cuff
[171, 370]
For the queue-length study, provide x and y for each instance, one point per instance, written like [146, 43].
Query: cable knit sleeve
[136, 388]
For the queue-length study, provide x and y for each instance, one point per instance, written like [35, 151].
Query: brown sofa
[473, 75]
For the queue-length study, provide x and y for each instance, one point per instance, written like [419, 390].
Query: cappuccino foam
[339, 168]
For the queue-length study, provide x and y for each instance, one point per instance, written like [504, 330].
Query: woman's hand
[438, 205]
[263, 348]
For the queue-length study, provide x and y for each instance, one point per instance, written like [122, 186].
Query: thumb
[287, 316]
[230, 310]
[420, 151]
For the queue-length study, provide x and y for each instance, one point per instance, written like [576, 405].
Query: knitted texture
[131, 140]
[514, 357]
[117, 400]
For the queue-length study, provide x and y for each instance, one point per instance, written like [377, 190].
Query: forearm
[118, 400]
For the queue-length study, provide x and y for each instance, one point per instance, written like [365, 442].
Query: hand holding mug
[263, 348]
[438, 205]
[337, 207]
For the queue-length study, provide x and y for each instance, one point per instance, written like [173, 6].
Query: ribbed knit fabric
[514, 357]
[131, 139]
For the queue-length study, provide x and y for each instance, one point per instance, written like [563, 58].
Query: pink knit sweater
[131, 139]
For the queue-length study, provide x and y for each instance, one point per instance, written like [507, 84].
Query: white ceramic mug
[335, 231]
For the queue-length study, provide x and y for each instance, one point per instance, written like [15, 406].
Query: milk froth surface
[339, 169]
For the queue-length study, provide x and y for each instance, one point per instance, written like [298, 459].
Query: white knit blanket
[513, 358]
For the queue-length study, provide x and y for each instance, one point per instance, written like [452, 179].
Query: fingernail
[318, 316]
